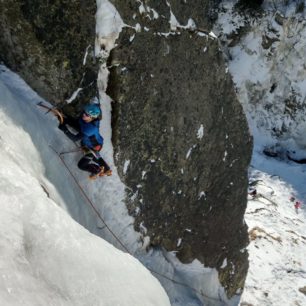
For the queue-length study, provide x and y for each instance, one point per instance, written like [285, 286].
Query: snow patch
[74, 95]
[126, 166]
[224, 264]
[200, 132]
[202, 195]
[190, 150]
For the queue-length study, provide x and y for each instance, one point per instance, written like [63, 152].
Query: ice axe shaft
[54, 110]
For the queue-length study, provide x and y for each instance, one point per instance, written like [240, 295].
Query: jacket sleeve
[73, 137]
[74, 123]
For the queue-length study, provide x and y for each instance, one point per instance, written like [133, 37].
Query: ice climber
[87, 128]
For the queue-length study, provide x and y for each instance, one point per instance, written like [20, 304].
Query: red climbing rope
[89, 200]
[90, 203]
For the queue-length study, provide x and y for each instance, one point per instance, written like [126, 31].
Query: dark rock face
[46, 41]
[182, 186]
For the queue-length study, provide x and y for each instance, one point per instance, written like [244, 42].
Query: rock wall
[181, 139]
[46, 41]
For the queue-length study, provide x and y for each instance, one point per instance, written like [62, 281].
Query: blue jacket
[90, 133]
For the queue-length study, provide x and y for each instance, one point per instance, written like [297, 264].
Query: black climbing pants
[89, 162]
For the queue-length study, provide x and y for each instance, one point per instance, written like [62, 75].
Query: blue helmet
[93, 110]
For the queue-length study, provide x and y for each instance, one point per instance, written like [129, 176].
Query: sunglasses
[87, 115]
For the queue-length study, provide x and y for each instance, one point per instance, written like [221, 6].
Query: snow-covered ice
[277, 251]
[46, 257]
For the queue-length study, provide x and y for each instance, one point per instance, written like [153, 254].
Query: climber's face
[86, 117]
